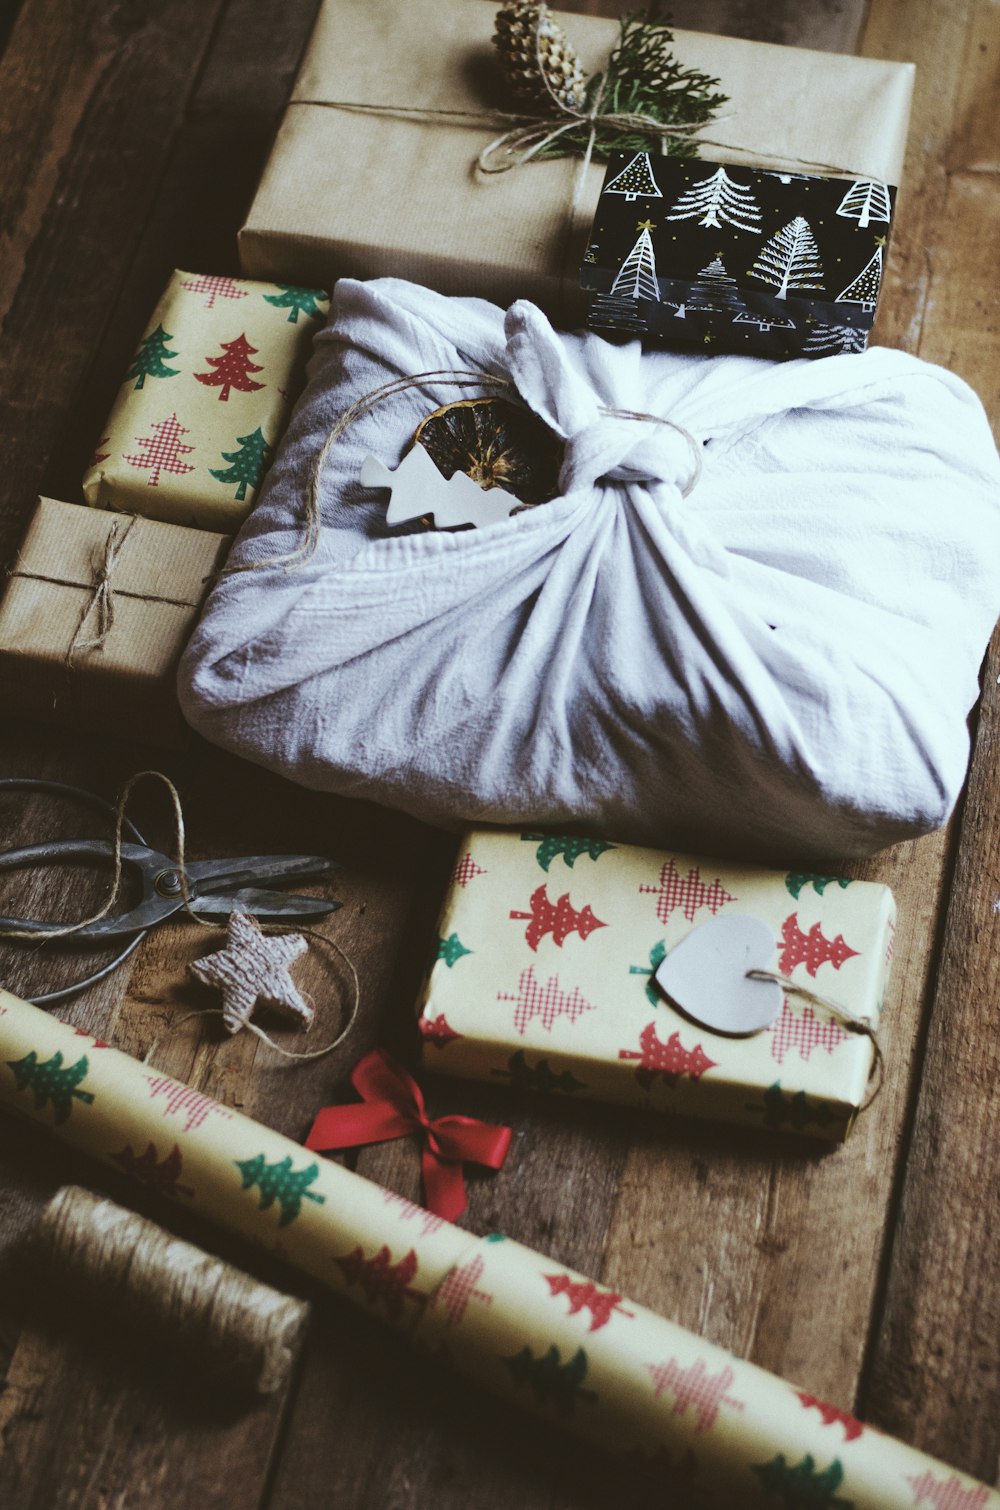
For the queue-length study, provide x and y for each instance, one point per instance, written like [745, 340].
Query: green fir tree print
[798, 880]
[53, 1082]
[279, 1182]
[657, 955]
[551, 846]
[537, 1077]
[295, 299]
[150, 360]
[803, 1486]
[451, 949]
[550, 1380]
[247, 463]
[795, 1111]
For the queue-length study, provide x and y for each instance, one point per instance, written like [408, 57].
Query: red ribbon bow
[392, 1105]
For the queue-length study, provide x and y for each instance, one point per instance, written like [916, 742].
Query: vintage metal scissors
[215, 888]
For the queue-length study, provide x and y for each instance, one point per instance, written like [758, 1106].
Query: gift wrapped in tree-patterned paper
[545, 978]
[712, 1429]
[205, 400]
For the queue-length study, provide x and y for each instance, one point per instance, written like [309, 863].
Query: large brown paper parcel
[359, 185]
[714, 1430]
[54, 664]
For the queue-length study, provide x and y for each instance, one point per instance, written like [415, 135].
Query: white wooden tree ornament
[418, 488]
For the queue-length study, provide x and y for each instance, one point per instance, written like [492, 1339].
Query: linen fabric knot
[392, 1106]
[782, 661]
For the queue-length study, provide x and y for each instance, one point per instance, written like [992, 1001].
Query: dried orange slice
[497, 443]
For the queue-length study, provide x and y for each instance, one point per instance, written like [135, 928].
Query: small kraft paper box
[737, 259]
[544, 979]
[369, 177]
[96, 613]
[205, 400]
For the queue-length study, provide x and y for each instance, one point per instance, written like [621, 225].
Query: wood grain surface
[131, 136]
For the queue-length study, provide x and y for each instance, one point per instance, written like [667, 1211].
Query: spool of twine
[206, 1311]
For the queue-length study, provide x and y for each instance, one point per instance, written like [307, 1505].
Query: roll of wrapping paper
[722, 1431]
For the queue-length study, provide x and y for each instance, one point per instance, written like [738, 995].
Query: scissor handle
[151, 908]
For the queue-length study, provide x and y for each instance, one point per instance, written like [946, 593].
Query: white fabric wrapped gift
[783, 661]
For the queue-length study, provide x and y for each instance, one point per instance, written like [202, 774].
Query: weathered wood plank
[933, 1371]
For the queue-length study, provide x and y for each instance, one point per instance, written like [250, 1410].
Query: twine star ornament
[253, 968]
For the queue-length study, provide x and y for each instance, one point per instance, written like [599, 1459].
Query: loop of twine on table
[68, 929]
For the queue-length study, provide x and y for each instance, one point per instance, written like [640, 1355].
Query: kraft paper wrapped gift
[716, 1431]
[205, 400]
[543, 979]
[94, 618]
[368, 178]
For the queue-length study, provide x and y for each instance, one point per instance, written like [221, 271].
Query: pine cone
[517, 25]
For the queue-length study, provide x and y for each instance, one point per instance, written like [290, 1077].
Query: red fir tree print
[547, 1002]
[100, 455]
[458, 1288]
[948, 1494]
[409, 1209]
[164, 449]
[695, 1388]
[832, 1415]
[215, 288]
[95, 1043]
[232, 368]
[161, 1175]
[671, 1060]
[558, 918]
[437, 1031]
[583, 1294]
[184, 1100]
[811, 949]
[465, 871]
[803, 1031]
[688, 894]
[380, 1279]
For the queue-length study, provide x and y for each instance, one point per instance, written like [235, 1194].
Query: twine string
[446, 377]
[851, 1021]
[102, 598]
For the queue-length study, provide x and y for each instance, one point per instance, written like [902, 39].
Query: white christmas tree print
[635, 179]
[790, 259]
[718, 201]
[715, 289]
[764, 322]
[866, 200]
[636, 278]
[831, 340]
[864, 289]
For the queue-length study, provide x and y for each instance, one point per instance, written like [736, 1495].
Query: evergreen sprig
[644, 77]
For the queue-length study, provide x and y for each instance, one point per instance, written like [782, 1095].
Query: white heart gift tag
[706, 975]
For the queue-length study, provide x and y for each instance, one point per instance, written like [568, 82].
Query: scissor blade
[252, 870]
[268, 906]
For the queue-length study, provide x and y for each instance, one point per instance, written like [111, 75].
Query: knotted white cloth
[783, 661]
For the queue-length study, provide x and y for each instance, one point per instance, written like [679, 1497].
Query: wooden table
[132, 133]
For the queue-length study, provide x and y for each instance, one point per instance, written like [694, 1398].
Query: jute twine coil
[202, 1309]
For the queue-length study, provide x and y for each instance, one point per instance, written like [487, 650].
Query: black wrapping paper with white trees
[724, 257]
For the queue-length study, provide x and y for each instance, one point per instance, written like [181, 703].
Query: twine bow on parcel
[392, 1106]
